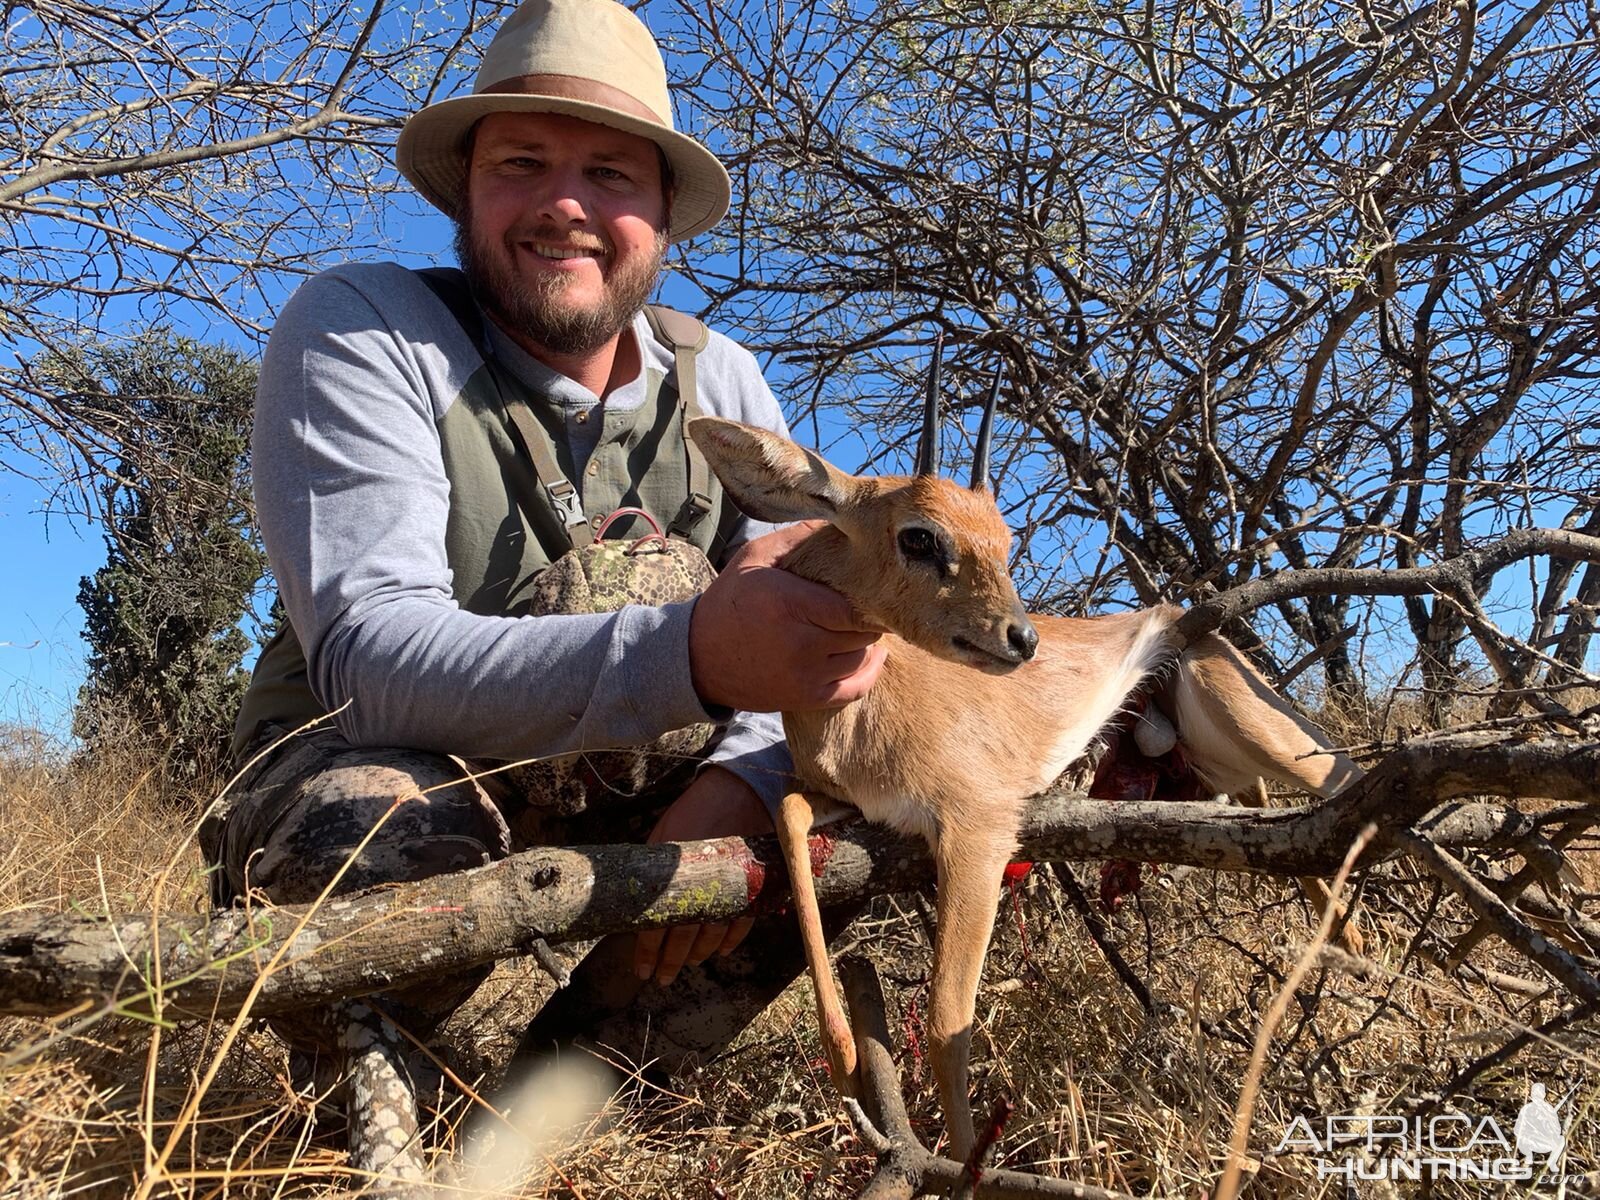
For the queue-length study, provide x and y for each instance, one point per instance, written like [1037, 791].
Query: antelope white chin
[971, 655]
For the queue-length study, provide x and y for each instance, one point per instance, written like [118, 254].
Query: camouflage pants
[302, 809]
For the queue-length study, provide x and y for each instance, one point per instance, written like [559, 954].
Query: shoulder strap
[685, 336]
[450, 285]
[674, 329]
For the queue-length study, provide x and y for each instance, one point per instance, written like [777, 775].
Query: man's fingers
[846, 618]
[848, 642]
[706, 944]
[859, 620]
[737, 932]
[761, 639]
[721, 940]
[842, 666]
[814, 604]
[647, 951]
[854, 676]
[663, 953]
[675, 952]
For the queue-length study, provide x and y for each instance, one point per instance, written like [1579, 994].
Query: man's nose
[562, 197]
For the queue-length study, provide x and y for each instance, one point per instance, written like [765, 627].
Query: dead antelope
[978, 705]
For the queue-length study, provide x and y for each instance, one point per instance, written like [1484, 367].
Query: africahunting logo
[1455, 1145]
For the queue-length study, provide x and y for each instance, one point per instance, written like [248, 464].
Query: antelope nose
[1023, 639]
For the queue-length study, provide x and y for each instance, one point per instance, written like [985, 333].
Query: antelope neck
[823, 558]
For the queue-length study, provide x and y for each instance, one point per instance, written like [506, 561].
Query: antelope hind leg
[1237, 729]
[797, 815]
[969, 894]
[1316, 890]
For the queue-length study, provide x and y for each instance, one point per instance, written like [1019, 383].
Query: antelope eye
[917, 543]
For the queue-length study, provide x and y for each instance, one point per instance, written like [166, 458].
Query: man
[404, 521]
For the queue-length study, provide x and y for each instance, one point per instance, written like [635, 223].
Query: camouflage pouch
[604, 577]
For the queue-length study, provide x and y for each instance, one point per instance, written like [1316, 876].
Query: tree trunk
[277, 959]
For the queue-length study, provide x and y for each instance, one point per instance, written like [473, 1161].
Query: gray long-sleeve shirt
[354, 492]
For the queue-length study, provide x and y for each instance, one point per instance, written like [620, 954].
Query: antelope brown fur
[978, 706]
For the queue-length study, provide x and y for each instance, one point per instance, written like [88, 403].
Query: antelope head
[920, 555]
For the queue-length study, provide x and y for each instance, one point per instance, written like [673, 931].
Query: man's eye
[917, 543]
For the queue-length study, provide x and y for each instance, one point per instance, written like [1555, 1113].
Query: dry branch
[389, 936]
[1491, 909]
[1458, 576]
[905, 1167]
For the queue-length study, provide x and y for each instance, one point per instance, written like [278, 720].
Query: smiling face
[564, 230]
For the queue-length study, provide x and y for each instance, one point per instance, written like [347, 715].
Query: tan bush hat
[591, 59]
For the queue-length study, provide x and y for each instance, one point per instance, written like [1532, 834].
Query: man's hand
[763, 640]
[717, 804]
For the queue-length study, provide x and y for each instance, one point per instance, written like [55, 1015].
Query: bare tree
[1272, 287]
[185, 162]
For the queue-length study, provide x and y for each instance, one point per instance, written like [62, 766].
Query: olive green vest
[503, 526]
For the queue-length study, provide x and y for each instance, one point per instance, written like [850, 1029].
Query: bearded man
[427, 444]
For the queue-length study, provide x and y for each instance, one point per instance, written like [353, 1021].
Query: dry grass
[87, 1107]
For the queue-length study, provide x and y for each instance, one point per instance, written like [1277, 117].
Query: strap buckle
[565, 498]
[691, 514]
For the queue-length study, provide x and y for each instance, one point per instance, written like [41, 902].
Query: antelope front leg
[969, 894]
[796, 816]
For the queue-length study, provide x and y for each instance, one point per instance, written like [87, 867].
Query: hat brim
[429, 154]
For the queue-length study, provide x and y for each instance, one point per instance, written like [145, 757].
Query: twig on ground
[1469, 1074]
[1543, 860]
[905, 1167]
[1232, 1176]
[1102, 936]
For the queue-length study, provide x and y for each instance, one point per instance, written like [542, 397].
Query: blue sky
[45, 551]
[41, 652]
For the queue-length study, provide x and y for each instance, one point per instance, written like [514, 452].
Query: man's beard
[534, 310]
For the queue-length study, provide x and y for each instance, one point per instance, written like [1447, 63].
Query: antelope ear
[770, 477]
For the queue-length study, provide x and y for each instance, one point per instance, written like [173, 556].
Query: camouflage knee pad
[309, 805]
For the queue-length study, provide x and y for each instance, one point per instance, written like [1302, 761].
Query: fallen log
[369, 941]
